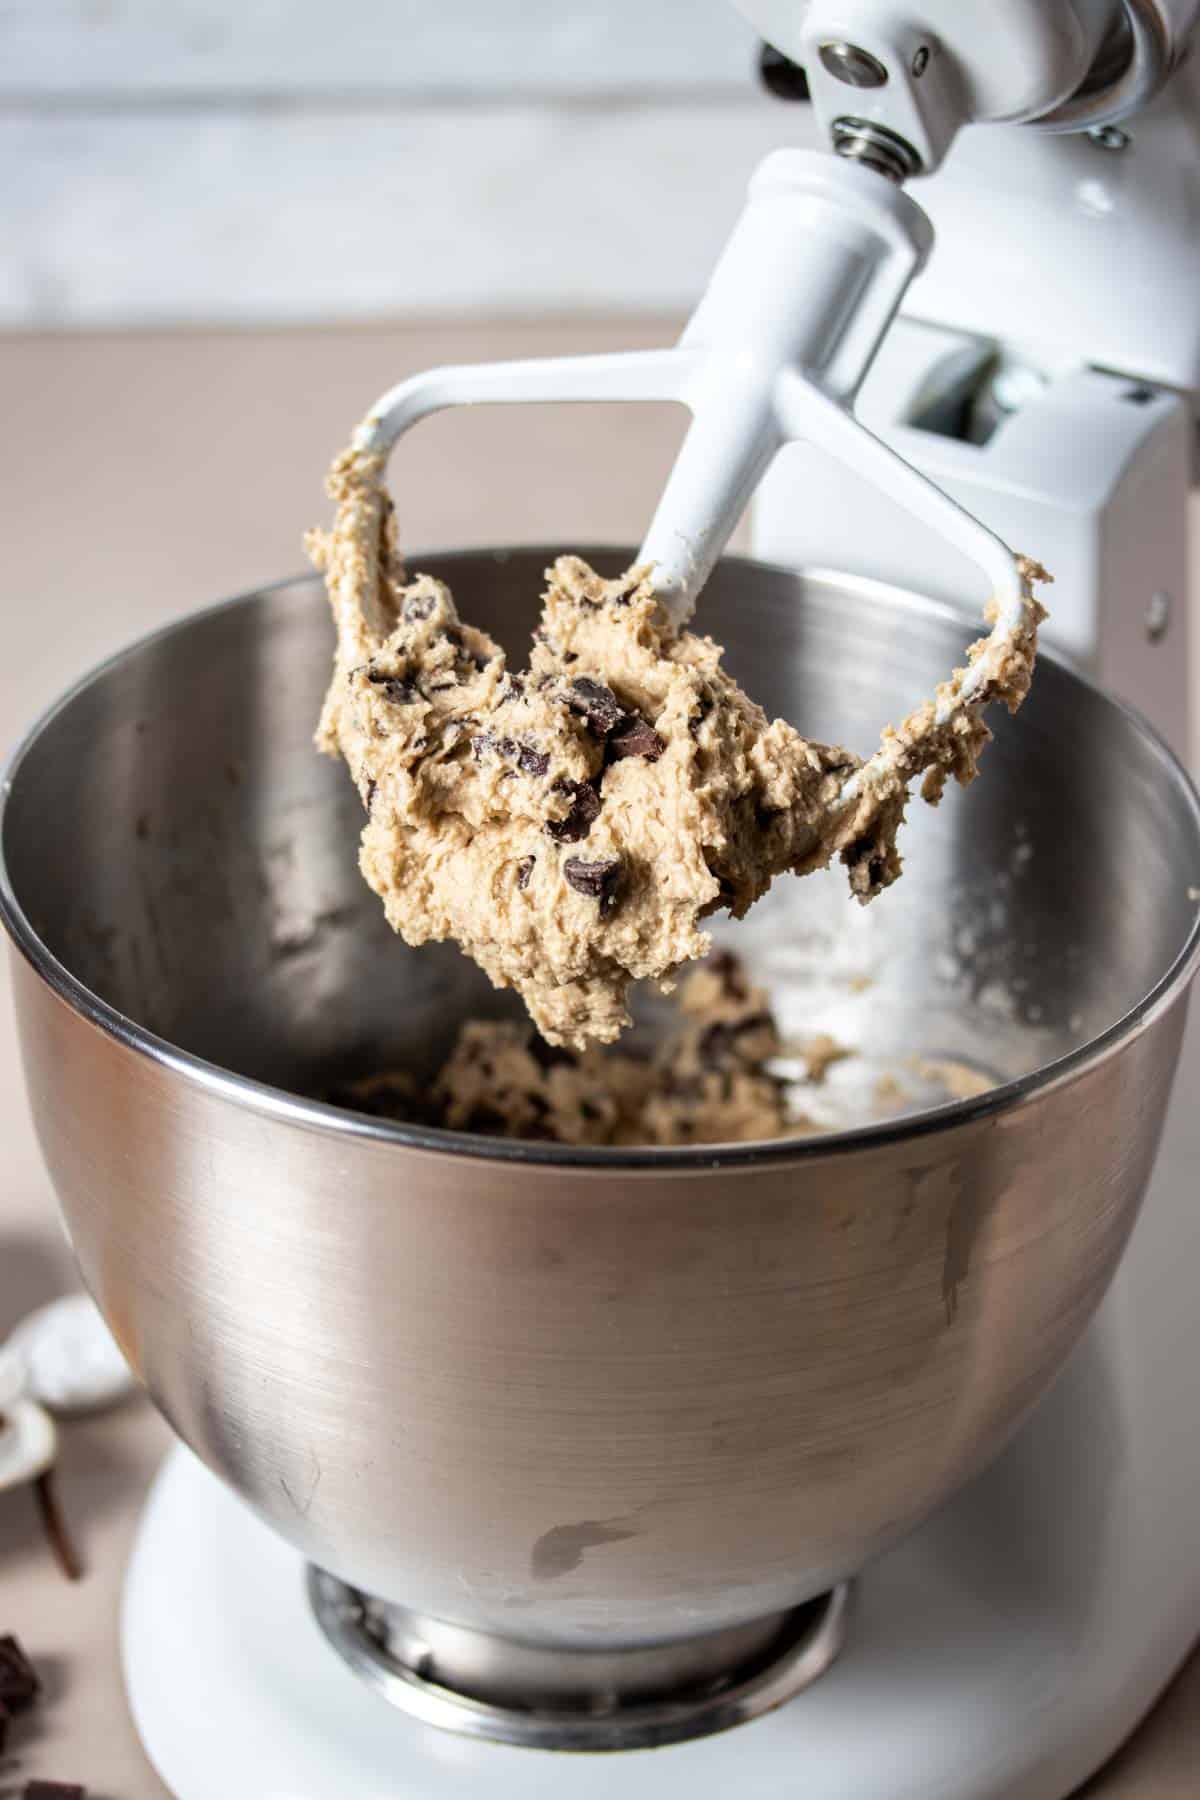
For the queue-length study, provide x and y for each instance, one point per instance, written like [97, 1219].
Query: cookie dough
[573, 825]
[709, 1082]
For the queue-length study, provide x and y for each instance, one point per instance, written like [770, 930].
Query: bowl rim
[278, 1103]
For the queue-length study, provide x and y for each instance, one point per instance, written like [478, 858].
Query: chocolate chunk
[585, 810]
[729, 972]
[635, 736]
[596, 880]
[19, 1684]
[419, 606]
[400, 693]
[533, 762]
[53, 1790]
[524, 871]
[715, 1044]
[599, 705]
[865, 849]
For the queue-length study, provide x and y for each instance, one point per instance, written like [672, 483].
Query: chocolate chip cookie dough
[709, 1081]
[572, 826]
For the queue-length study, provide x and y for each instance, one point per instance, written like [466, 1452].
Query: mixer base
[970, 1672]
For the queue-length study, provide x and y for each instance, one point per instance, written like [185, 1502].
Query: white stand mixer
[1006, 1649]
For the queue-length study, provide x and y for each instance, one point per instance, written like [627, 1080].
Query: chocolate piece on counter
[595, 880]
[585, 810]
[599, 705]
[19, 1683]
[635, 736]
[525, 870]
[53, 1790]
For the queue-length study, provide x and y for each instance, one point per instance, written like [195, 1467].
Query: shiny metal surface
[608, 1399]
[1144, 53]
[486, 1686]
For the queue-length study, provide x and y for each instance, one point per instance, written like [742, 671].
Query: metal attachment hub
[862, 141]
[487, 1686]
[852, 64]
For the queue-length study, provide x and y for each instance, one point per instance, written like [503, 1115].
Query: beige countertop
[144, 476]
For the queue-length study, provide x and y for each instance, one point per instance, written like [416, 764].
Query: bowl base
[487, 1686]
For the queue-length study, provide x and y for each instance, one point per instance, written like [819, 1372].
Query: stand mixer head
[815, 272]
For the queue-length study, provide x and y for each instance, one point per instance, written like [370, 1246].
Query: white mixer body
[1065, 275]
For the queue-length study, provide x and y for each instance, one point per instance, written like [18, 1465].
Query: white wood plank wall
[205, 161]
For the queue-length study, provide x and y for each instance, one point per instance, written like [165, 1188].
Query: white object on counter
[69, 1358]
[28, 1439]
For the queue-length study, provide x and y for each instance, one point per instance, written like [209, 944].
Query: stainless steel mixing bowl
[605, 1398]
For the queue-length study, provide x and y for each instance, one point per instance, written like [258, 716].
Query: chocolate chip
[596, 880]
[524, 871]
[876, 861]
[635, 736]
[53, 1790]
[19, 1683]
[419, 606]
[400, 693]
[599, 705]
[533, 762]
[585, 810]
[715, 1044]
[729, 972]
